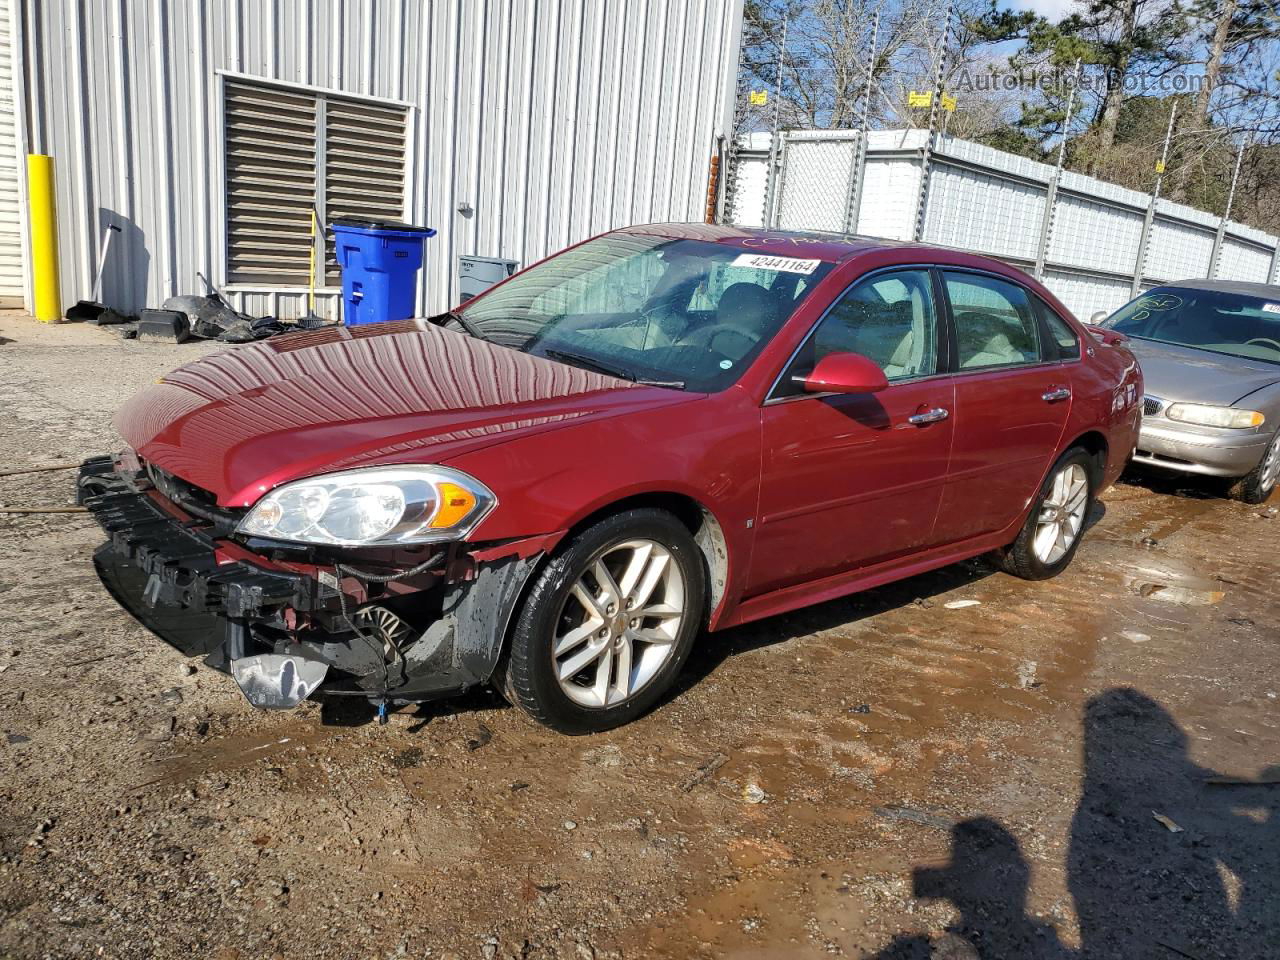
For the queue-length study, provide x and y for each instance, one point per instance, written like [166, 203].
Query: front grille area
[194, 500]
[1151, 406]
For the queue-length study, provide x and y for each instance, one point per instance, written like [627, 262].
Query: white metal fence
[1090, 250]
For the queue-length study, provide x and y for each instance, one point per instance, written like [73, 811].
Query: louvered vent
[271, 183]
[364, 166]
[278, 143]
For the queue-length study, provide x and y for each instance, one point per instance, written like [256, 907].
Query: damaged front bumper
[286, 621]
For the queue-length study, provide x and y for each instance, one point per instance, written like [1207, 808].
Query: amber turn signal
[455, 503]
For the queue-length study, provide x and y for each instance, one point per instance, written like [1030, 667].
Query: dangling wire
[341, 569]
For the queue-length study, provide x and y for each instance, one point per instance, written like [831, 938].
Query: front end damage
[395, 626]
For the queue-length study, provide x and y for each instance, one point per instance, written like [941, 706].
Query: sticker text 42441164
[763, 261]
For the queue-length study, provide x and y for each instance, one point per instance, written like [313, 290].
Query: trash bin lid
[387, 226]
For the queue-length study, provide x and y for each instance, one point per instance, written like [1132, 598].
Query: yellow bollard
[43, 210]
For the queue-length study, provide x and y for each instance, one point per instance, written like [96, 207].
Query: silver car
[1210, 356]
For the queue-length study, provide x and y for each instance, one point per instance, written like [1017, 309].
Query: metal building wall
[550, 120]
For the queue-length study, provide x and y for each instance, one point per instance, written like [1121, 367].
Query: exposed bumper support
[207, 596]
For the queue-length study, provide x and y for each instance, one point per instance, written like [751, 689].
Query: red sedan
[558, 487]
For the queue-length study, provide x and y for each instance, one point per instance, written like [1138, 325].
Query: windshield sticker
[1271, 307]
[762, 261]
[1160, 301]
[726, 364]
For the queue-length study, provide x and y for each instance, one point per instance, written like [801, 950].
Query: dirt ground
[1042, 773]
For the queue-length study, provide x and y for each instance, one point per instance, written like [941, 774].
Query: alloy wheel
[619, 623]
[1061, 514]
[1271, 466]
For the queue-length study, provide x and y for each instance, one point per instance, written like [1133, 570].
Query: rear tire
[606, 624]
[1258, 484]
[1055, 526]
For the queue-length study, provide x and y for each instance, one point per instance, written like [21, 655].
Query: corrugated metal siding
[1087, 233]
[983, 212]
[1083, 294]
[1243, 261]
[545, 120]
[1178, 251]
[751, 181]
[11, 166]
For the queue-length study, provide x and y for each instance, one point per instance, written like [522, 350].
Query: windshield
[1231, 323]
[680, 313]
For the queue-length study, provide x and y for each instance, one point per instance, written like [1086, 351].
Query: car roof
[809, 244]
[1265, 290]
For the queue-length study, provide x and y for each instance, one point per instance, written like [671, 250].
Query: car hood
[1199, 376]
[243, 421]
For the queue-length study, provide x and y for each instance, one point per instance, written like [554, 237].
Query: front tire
[607, 623]
[1258, 484]
[1049, 539]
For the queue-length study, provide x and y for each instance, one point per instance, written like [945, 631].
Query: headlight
[1209, 416]
[375, 506]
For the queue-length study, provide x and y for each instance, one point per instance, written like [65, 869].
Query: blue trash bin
[380, 261]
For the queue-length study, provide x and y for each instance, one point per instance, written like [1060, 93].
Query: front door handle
[1054, 394]
[929, 416]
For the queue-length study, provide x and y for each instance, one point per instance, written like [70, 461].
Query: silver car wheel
[1061, 514]
[1271, 465]
[619, 623]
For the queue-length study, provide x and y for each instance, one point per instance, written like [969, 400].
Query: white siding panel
[1096, 236]
[1178, 251]
[983, 213]
[889, 196]
[991, 202]
[11, 168]
[1084, 295]
[547, 120]
[751, 180]
[1243, 261]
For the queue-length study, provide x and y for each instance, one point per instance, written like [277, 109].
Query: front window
[888, 318]
[1214, 320]
[677, 312]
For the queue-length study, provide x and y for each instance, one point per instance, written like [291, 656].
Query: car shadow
[1184, 485]
[346, 711]
[711, 650]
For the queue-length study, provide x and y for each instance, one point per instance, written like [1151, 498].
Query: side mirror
[845, 373]
[1097, 317]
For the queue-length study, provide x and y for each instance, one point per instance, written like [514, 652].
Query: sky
[1051, 9]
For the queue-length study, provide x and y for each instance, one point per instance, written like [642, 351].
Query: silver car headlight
[373, 506]
[1205, 415]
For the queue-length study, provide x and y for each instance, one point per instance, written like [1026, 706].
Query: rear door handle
[1055, 394]
[929, 416]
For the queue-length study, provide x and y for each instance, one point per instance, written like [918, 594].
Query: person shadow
[987, 881]
[1204, 885]
[1168, 858]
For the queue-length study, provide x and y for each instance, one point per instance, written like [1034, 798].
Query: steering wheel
[734, 344]
[1264, 341]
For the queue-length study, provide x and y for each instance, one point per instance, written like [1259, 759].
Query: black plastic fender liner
[482, 611]
[455, 652]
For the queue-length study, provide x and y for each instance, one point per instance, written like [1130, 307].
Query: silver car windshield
[1215, 320]
[676, 312]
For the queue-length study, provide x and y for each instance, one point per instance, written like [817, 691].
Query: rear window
[995, 325]
[1064, 337]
